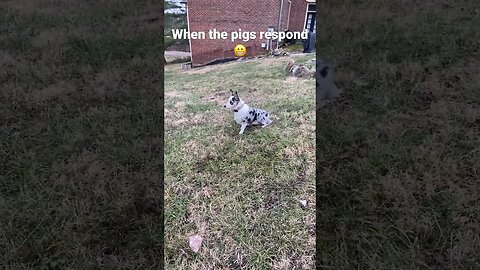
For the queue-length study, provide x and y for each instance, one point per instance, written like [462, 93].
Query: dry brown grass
[80, 151]
[397, 181]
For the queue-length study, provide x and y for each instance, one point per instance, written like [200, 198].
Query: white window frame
[310, 3]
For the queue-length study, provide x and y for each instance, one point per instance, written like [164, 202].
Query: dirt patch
[291, 79]
[217, 98]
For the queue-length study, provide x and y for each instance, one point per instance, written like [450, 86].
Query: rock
[298, 70]
[279, 52]
[187, 66]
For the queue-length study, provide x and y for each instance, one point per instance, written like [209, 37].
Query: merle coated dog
[245, 115]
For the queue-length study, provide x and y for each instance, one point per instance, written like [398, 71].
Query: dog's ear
[231, 91]
[236, 94]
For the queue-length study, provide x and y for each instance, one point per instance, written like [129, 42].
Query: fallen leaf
[303, 203]
[195, 242]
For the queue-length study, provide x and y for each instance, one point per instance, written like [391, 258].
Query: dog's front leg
[242, 129]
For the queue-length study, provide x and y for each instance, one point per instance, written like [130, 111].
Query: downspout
[189, 41]
[288, 18]
[280, 20]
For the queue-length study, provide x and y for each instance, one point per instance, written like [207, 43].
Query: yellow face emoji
[240, 50]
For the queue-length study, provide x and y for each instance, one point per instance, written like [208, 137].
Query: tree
[175, 18]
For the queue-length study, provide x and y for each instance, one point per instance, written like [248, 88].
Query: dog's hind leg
[242, 129]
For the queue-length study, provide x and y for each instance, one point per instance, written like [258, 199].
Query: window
[310, 21]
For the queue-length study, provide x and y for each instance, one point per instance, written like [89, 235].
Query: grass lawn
[239, 192]
[80, 134]
[399, 156]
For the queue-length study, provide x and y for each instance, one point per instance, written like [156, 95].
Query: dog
[244, 115]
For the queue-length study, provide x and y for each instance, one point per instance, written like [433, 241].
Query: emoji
[240, 50]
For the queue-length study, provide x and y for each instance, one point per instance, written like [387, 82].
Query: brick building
[247, 15]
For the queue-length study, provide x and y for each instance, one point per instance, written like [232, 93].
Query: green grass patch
[396, 156]
[80, 140]
[111, 48]
[240, 192]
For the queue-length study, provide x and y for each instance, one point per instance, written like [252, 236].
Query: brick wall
[297, 15]
[248, 15]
